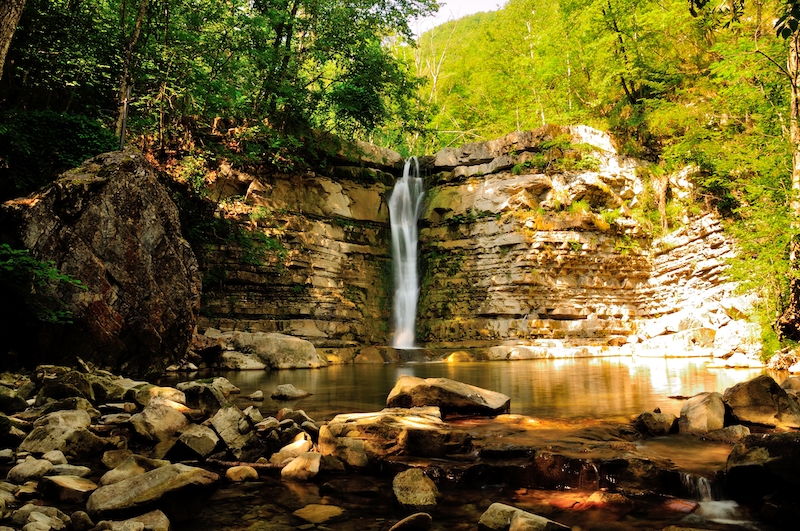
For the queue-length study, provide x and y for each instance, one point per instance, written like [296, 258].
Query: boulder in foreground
[449, 395]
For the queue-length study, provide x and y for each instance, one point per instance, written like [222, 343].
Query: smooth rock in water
[412, 488]
[728, 434]
[279, 351]
[152, 521]
[414, 522]
[70, 489]
[111, 224]
[31, 469]
[239, 474]
[449, 395]
[179, 490]
[304, 466]
[656, 423]
[702, 413]
[288, 392]
[158, 421]
[236, 431]
[132, 466]
[501, 517]
[318, 514]
[762, 401]
[291, 450]
[257, 396]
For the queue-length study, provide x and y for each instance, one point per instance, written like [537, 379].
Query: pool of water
[600, 388]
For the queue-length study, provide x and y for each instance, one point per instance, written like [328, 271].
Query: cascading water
[405, 205]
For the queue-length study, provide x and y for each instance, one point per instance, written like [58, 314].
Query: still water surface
[600, 388]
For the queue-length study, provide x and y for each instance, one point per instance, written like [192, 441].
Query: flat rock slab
[317, 514]
[449, 395]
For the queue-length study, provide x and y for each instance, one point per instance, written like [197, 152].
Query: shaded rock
[10, 401]
[133, 465]
[304, 466]
[71, 384]
[23, 515]
[450, 396]
[111, 224]
[318, 514]
[71, 470]
[729, 434]
[501, 517]
[279, 351]
[656, 423]
[31, 469]
[80, 521]
[413, 488]
[70, 489]
[762, 401]
[760, 465]
[56, 457]
[158, 421]
[152, 521]
[414, 522]
[198, 440]
[65, 431]
[299, 446]
[180, 491]
[702, 413]
[288, 392]
[237, 432]
[238, 474]
[203, 396]
[10, 434]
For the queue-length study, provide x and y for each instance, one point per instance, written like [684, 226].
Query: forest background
[255, 82]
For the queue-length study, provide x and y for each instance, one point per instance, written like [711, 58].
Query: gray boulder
[237, 432]
[203, 395]
[134, 465]
[111, 224]
[180, 491]
[279, 351]
[288, 392]
[196, 440]
[158, 421]
[449, 395]
[31, 469]
[655, 423]
[412, 488]
[66, 431]
[702, 413]
[762, 401]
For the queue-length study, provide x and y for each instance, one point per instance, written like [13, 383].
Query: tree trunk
[10, 11]
[788, 324]
[129, 44]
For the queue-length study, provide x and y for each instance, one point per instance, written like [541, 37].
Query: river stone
[204, 396]
[65, 431]
[288, 392]
[655, 423]
[70, 489]
[10, 401]
[299, 446]
[236, 431]
[179, 490]
[762, 401]
[71, 470]
[760, 465]
[502, 517]
[111, 224]
[414, 522]
[152, 521]
[303, 467]
[239, 474]
[31, 469]
[198, 439]
[149, 392]
[728, 434]
[158, 421]
[56, 457]
[413, 488]
[702, 413]
[449, 395]
[277, 351]
[318, 514]
[23, 515]
[81, 521]
[134, 465]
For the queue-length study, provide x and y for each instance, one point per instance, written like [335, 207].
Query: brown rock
[762, 401]
[449, 395]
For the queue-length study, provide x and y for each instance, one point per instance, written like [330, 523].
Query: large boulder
[762, 401]
[702, 413]
[113, 226]
[66, 431]
[180, 491]
[449, 395]
[279, 351]
[760, 465]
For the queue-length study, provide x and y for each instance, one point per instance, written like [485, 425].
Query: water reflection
[607, 388]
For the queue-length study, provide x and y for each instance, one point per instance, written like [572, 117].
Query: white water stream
[405, 205]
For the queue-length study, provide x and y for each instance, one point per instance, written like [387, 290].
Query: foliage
[36, 146]
[36, 283]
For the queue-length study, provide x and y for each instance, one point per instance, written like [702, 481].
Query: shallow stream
[560, 393]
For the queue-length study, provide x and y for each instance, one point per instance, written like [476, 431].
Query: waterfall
[405, 205]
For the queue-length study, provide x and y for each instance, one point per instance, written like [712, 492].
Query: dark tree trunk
[10, 11]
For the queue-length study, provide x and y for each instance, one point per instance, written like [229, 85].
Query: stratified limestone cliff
[530, 247]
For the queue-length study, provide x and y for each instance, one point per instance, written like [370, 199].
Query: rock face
[762, 401]
[112, 225]
[448, 395]
[528, 249]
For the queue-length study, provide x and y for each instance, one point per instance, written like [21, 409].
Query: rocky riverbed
[88, 450]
